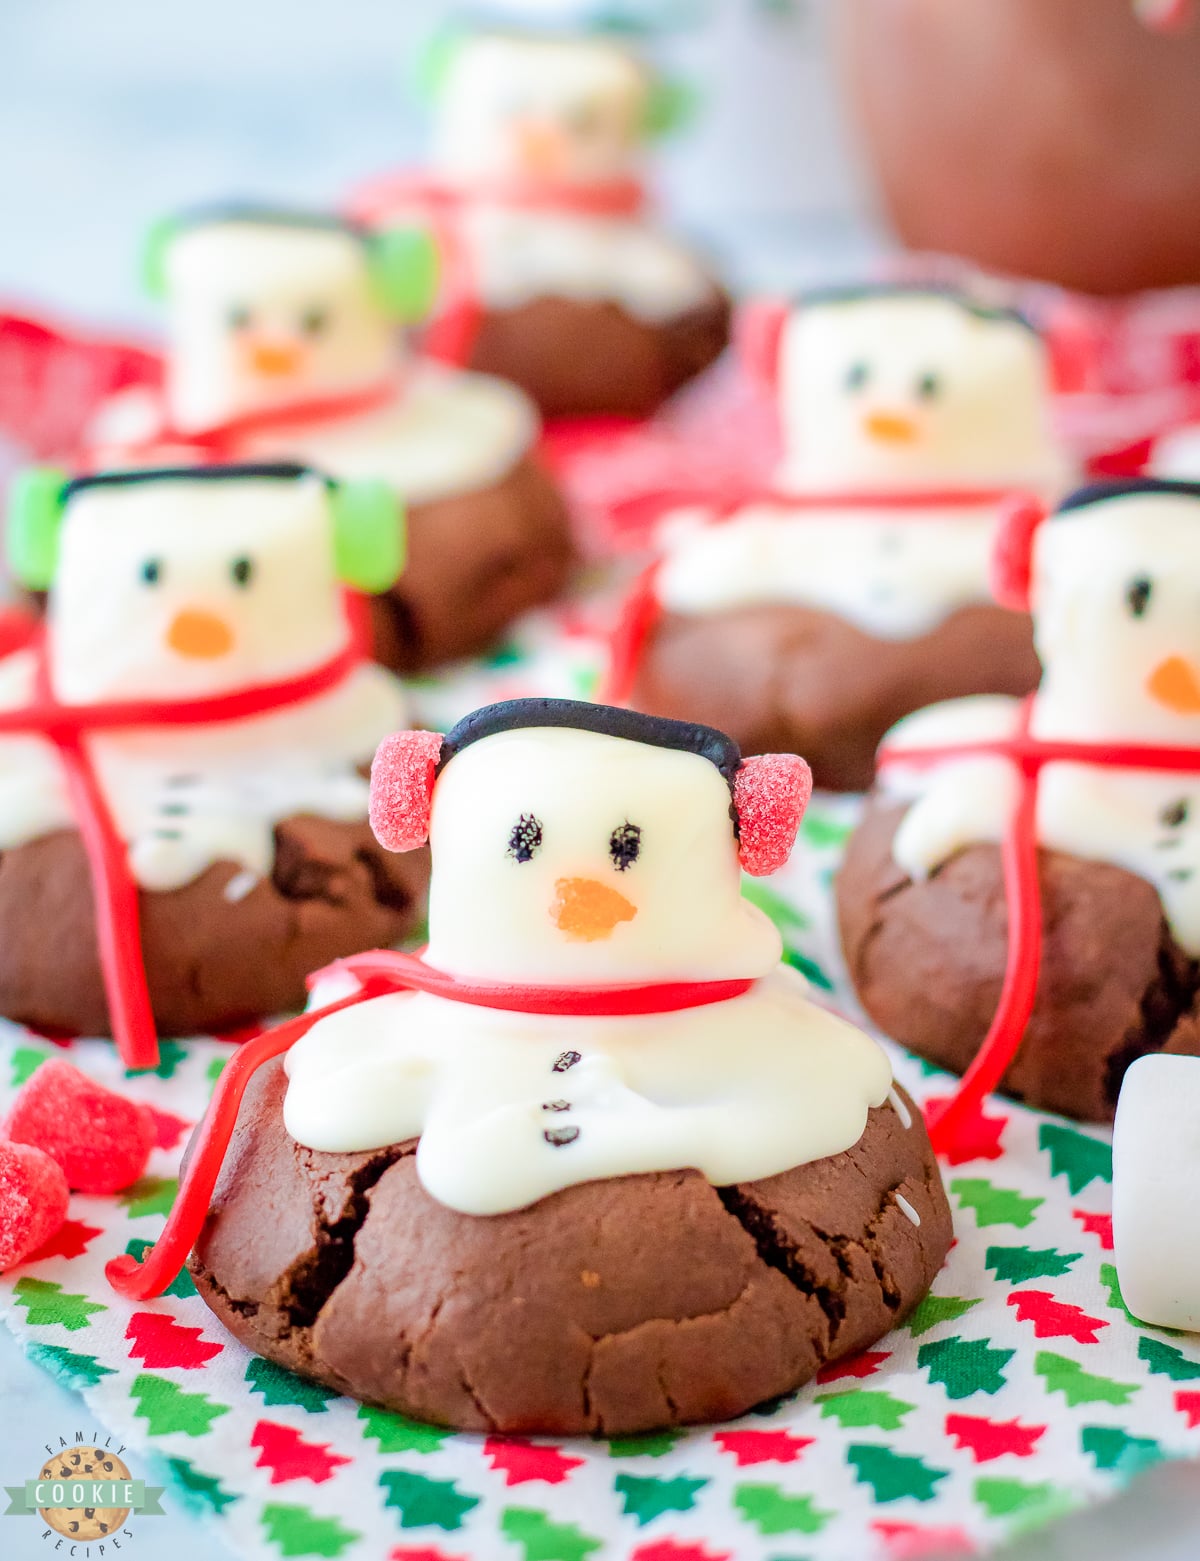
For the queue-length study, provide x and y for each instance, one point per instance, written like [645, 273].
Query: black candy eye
[625, 845]
[525, 838]
[313, 321]
[928, 387]
[1137, 596]
[238, 318]
[151, 571]
[857, 375]
[242, 570]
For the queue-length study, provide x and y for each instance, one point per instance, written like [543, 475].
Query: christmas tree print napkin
[1019, 1390]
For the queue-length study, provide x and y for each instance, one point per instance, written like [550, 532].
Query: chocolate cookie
[927, 961]
[212, 960]
[586, 357]
[613, 1306]
[476, 562]
[779, 676]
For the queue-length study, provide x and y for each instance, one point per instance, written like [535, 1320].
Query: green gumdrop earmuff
[404, 267]
[35, 512]
[368, 535]
[154, 257]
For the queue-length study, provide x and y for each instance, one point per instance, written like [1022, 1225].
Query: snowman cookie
[1084, 801]
[594, 1162]
[814, 614]
[190, 732]
[283, 342]
[579, 297]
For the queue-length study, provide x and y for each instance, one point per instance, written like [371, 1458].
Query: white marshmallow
[1156, 1168]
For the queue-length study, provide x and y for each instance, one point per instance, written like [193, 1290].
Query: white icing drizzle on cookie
[900, 1108]
[511, 1107]
[1115, 590]
[186, 798]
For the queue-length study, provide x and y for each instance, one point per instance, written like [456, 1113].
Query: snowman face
[903, 390]
[265, 314]
[563, 856]
[1116, 603]
[560, 110]
[189, 586]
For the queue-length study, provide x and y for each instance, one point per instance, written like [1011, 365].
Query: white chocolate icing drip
[738, 1090]
[519, 255]
[893, 578]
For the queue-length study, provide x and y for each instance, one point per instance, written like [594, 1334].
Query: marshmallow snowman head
[550, 108]
[267, 308]
[578, 844]
[1113, 581]
[904, 388]
[183, 582]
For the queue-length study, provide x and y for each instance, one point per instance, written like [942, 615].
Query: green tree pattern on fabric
[1076, 1156]
[1066, 1376]
[422, 1502]
[935, 1309]
[1112, 1448]
[541, 1539]
[644, 1497]
[166, 1408]
[865, 1407]
[397, 1434]
[773, 1511]
[1017, 1265]
[964, 1366]
[994, 1205]
[295, 1531]
[46, 1303]
[76, 1371]
[278, 1386]
[200, 1492]
[893, 1475]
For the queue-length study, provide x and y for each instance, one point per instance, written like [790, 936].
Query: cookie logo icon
[84, 1493]
[72, 1469]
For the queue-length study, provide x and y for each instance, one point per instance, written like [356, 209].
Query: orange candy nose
[587, 910]
[541, 148]
[1175, 684]
[199, 634]
[890, 427]
[275, 359]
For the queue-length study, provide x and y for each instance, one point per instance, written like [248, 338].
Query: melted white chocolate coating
[738, 1090]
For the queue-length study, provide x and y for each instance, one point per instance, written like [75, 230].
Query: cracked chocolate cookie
[477, 561]
[612, 1306]
[927, 960]
[220, 950]
[780, 676]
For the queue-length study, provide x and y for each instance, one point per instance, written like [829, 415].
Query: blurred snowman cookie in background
[853, 587]
[535, 178]
[594, 1162]
[1083, 801]
[283, 343]
[192, 729]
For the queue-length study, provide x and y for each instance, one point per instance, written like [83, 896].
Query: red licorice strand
[381, 972]
[114, 891]
[140, 1280]
[387, 969]
[1039, 752]
[389, 195]
[220, 440]
[639, 616]
[1022, 896]
[118, 923]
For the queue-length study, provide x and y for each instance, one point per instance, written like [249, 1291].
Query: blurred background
[113, 113]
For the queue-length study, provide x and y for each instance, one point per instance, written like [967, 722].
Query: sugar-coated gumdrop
[33, 1201]
[100, 1139]
[402, 789]
[770, 793]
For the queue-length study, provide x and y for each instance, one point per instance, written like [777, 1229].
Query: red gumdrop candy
[33, 1201]
[100, 1139]
[770, 794]
[402, 778]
